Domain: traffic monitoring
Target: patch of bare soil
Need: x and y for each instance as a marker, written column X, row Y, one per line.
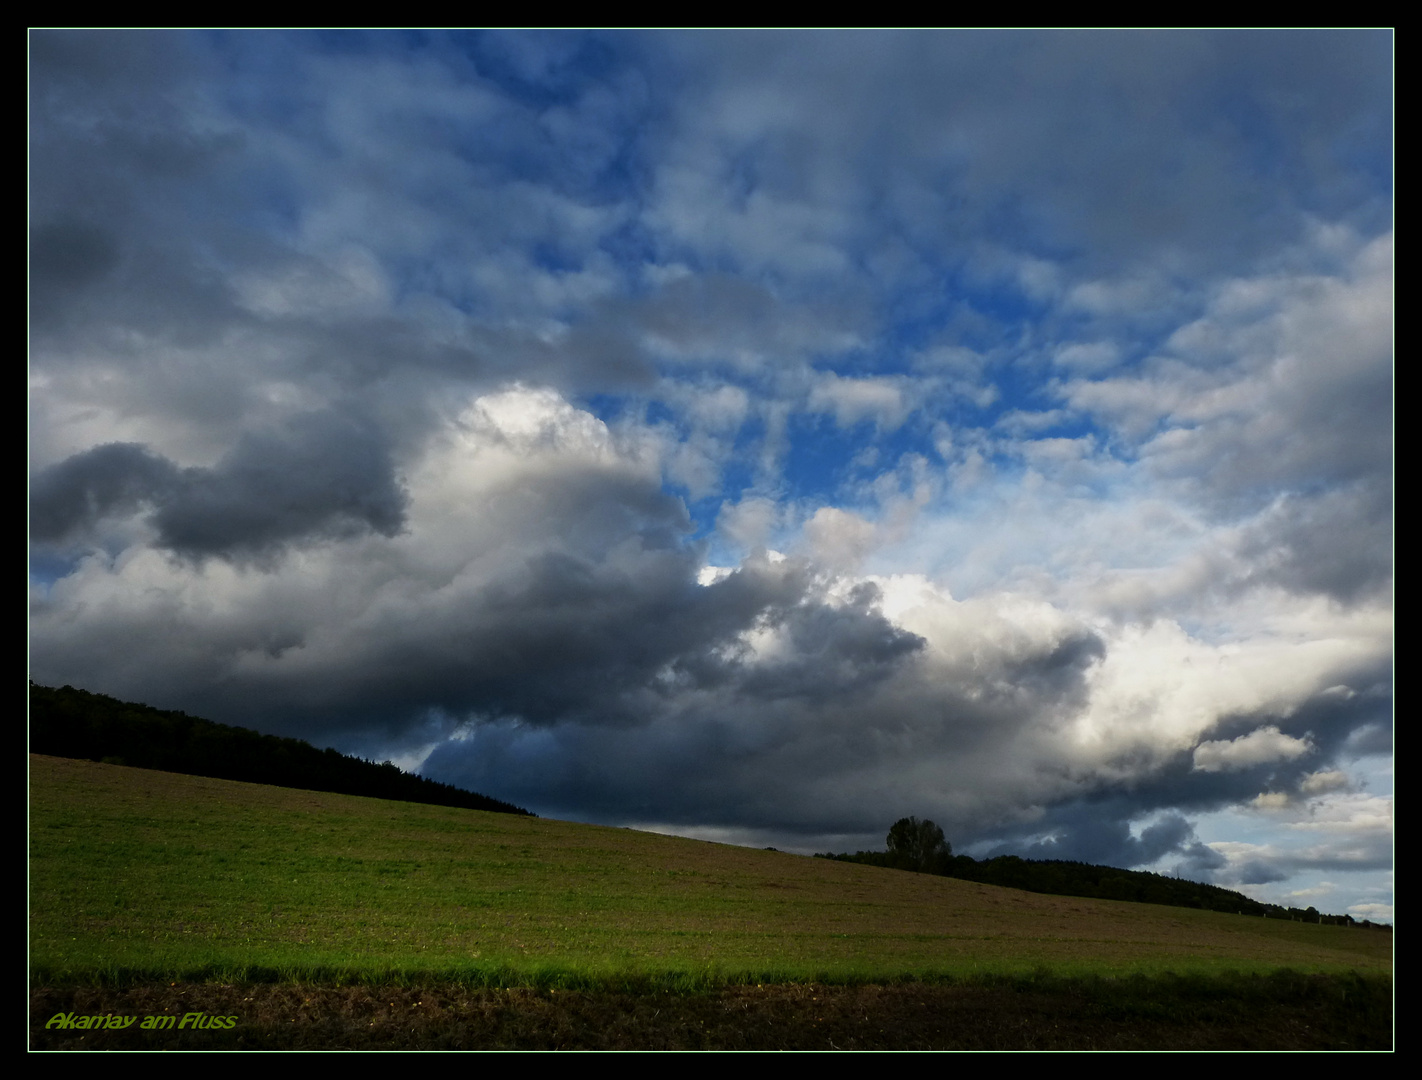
column 1310, row 1013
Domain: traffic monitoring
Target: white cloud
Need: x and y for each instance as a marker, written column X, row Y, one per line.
column 1372, row 912
column 1089, row 358
column 838, row 539
column 1259, row 747
column 1020, row 422
column 851, row 401
column 1324, row 781
column 1272, row 800
column 750, row 523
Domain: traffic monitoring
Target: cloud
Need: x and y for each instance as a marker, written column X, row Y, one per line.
column 1257, row 873
column 814, row 724
column 751, row 522
column 1085, row 834
column 1254, row 396
column 1272, row 800
column 839, row 539
column 542, row 574
column 1324, row 781
column 66, row 257
column 1266, row 744
column 324, row 477
column 1335, row 833
column 541, row 579
column 453, row 397
column 1371, row 911
column 1336, row 542
column 855, row 400
column 118, row 478
column 940, row 132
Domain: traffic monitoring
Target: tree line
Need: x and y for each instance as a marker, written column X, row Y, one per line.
column 72, row 723
column 920, row 846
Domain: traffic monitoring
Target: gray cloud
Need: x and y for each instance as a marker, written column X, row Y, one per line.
column 116, row 479
column 554, row 584
column 1258, row 872
column 943, row 132
column 1337, row 543
column 748, row 734
column 550, row 601
column 1099, row 832
column 1200, row 863
column 327, row 476
column 66, row 257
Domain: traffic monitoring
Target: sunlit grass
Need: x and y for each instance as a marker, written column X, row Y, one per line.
column 137, row 874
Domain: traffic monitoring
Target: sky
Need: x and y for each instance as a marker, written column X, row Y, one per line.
column 756, row 436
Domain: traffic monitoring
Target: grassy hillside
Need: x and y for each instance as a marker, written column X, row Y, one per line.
column 137, row 875
column 74, row 723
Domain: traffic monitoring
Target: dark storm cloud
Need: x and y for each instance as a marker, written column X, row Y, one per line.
column 117, row 479
column 755, row 738
column 1200, row 863
column 831, row 651
column 1334, row 719
column 1100, row 832
column 133, row 188
column 97, row 66
column 328, row 476
column 65, row 258
column 575, row 640
column 1258, row 872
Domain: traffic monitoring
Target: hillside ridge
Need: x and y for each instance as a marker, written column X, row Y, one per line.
column 73, row 723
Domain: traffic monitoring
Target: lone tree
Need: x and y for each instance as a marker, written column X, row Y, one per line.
column 919, row 845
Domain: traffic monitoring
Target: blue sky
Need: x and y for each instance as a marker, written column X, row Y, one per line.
column 759, row 436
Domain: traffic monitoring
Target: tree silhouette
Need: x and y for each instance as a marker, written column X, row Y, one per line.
column 919, row 845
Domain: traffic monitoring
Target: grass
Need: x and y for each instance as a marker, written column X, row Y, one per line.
column 144, row 876
column 325, row 921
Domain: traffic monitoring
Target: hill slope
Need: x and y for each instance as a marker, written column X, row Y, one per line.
column 66, row 722
column 140, row 874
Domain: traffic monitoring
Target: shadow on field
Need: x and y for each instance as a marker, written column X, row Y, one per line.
column 1283, row 1011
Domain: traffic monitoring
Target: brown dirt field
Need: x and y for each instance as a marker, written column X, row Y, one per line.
column 1275, row 1013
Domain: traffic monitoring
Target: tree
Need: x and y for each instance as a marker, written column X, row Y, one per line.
column 919, row 845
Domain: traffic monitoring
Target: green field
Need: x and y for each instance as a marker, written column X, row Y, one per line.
column 144, row 876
